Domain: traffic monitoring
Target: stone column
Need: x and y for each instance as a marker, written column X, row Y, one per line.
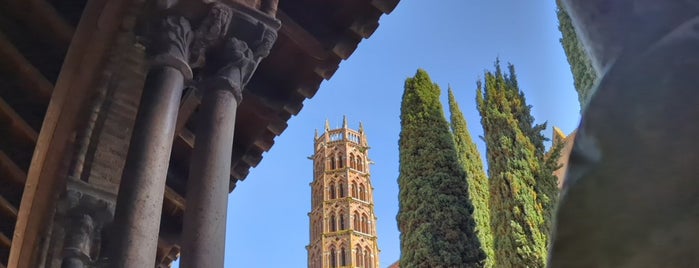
column 78, row 241
column 631, row 194
column 140, row 199
column 209, row 177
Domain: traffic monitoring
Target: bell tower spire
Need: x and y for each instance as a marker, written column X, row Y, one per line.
column 342, row 219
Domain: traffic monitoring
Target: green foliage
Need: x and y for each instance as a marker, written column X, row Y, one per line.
column 584, row 74
column 546, row 186
column 517, row 218
column 435, row 214
column 470, row 160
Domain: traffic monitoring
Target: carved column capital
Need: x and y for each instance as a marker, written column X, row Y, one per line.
column 235, row 61
column 239, row 56
column 84, row 216
column 170, row 45
column 210, row 32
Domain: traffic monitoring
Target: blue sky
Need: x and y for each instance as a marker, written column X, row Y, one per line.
column 454, row 41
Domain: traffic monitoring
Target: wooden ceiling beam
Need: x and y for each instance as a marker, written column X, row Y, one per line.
column 5, row 241
column 240, row 171
column 386, row 6
column 167, row 252
column 27, row 75
column 17, row 123
column 344, row 47
column 305, row 40
column 190, row 102
column 187, row 136
column 16, row 174
column 364, row 27
column 7, row 208
column 174, row 198
column 42, row 18
column 327, row 69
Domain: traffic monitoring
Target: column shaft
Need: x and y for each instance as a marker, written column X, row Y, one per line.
column 207, row 188
column 140, row 200
column 630, row 195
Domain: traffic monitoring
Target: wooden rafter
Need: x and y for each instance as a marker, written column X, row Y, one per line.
column 364, row 27
column 386, row 6
column 16, row 174
column 305, row 40
column 17, row 122
column 7, row 208
column 42, row 19
column 29, row 76
column 190, row 102
column 344, row 47
column 187, row 136
column 176, row 199
column 5, row 241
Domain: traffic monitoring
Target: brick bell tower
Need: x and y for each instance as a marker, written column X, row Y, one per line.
column 342, row 220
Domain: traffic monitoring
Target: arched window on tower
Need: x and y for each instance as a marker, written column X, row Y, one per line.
column 356, row 223
column 333, row 257
column 358, row 257
column 362, row 194
column 341, row 161
column 360, row 164
column 366, row 258
column 342, row 220
column 354, row 189
column 332, row 162
column 365, row 224
column 343, row 257
column 341, row 185
column 352, row 163
column 313, row 230
column 331, row 190
column 332, row 223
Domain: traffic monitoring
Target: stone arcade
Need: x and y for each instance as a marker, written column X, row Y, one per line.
column 109, row 106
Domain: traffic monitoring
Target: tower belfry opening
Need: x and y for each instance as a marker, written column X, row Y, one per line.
column 342, row 219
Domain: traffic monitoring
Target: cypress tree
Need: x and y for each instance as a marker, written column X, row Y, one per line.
column 435, row 214
column 546, row 183
column 470, row 160
column 517, row 218
column 584, row 74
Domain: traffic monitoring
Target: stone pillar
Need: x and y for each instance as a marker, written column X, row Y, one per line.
column 140, row 198
column 78, row 241
column 209, row 178
column 631, row 193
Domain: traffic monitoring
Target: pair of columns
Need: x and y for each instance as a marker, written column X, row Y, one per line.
column 631, row 195
column 239, row 42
